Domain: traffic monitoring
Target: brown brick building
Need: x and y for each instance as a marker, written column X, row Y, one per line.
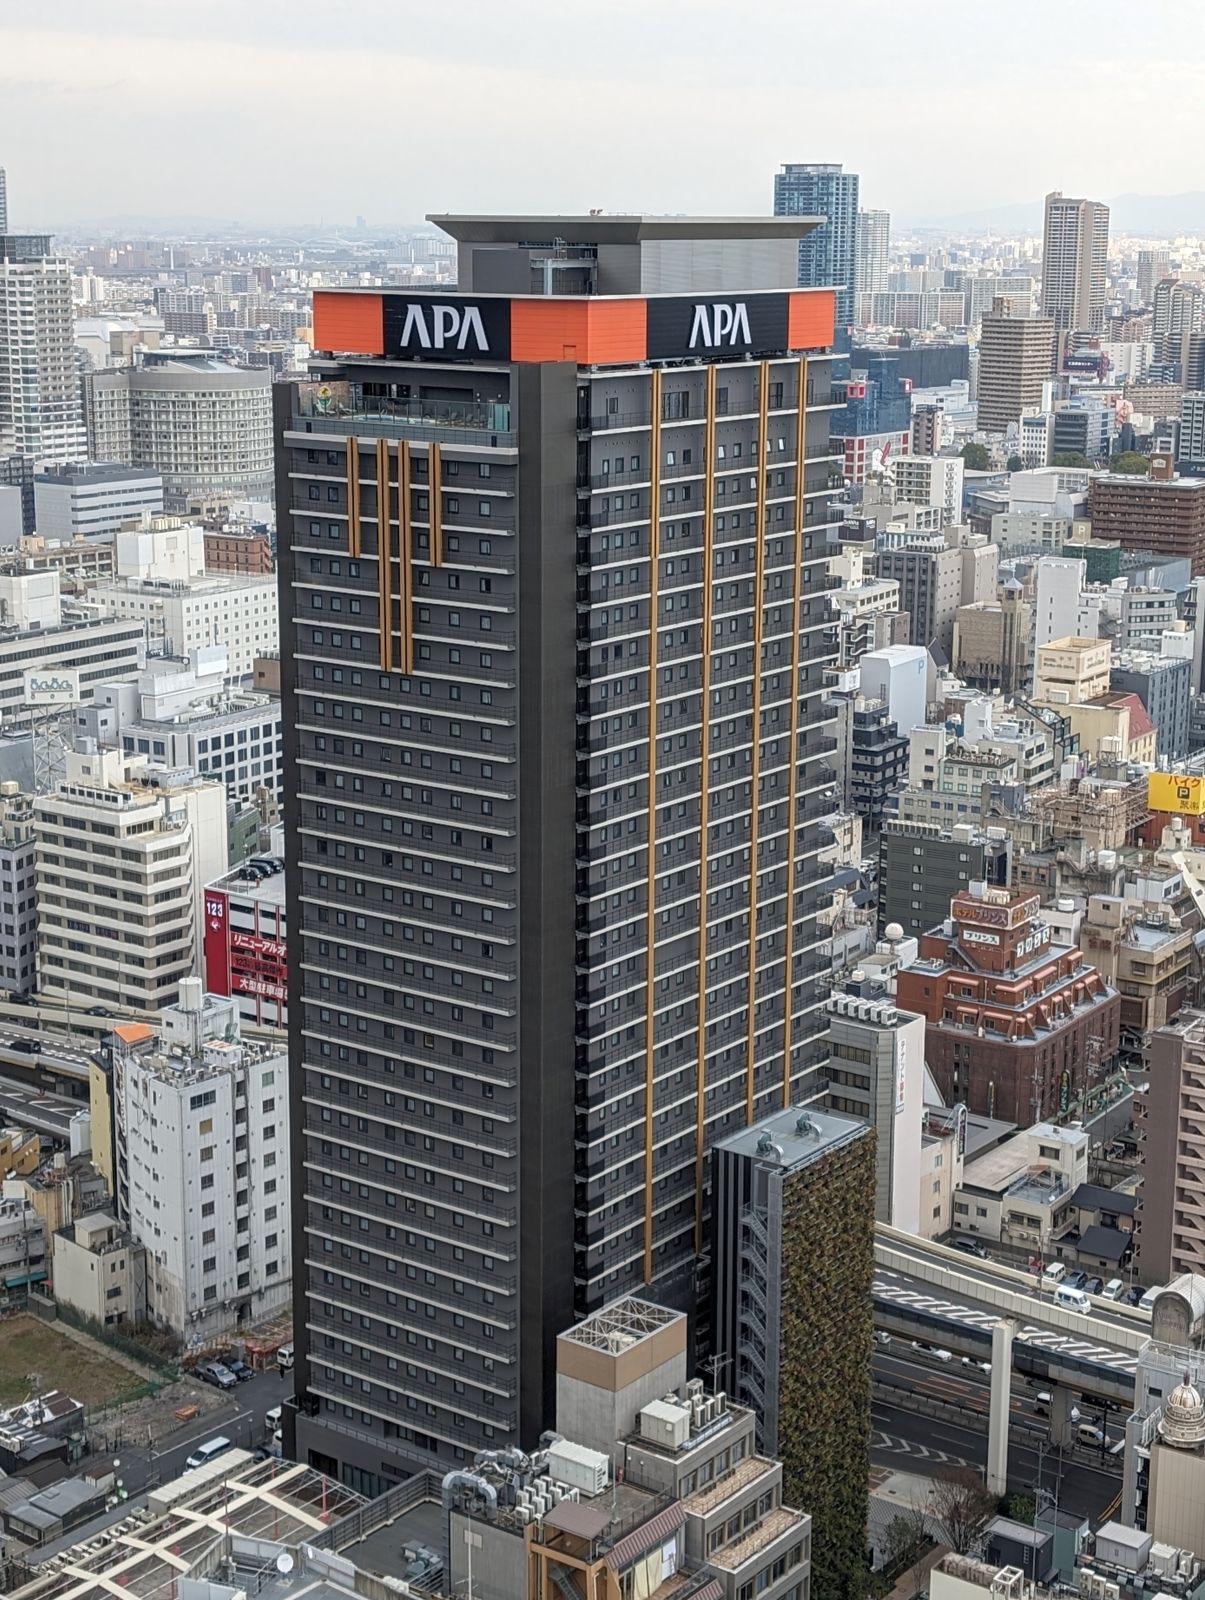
column 1165, row 516
column 227, row 551
column 1009, row 1014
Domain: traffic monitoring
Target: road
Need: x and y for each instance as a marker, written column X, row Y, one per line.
column 240, row 1418
column 913, row 1441
column 25, row 1107
column 54, row 1057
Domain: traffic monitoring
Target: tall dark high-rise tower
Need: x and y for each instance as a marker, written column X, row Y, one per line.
column 828, row 254
column 553, row 608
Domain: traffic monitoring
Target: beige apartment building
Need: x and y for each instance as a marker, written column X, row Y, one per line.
column 100, row 1270
column 1072, row 675
column 121, row 872
column 1016, row 356
column 1146, row 954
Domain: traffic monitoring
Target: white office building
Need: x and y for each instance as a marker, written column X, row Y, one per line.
column 184, row 715
column 202, row 1157
column 897, row 675
column 1062, row 610
column 186, row 614
column 122, row 866
column 877, row 1074
column 931, row 481
column 91, row 501
column 40, row 413
column 160, row 550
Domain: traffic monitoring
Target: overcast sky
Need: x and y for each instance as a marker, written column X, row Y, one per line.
column 296, row 110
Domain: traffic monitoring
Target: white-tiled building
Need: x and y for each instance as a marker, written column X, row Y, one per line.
column 185, row 614
column 202, row 1147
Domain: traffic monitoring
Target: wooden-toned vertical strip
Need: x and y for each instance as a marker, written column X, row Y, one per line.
column 405, row 537
column 651, row 927
column 759, row 607
column 705, row 785
column 435, row 499
column 384, row 558
column 353, row 497
column 796, row 651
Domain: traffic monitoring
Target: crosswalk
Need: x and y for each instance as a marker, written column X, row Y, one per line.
column 889, row 1286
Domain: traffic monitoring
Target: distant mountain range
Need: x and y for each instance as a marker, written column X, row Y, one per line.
column 1156, row 216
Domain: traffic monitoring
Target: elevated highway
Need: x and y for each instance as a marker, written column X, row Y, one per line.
column 938, row 1296
column 932, row 1293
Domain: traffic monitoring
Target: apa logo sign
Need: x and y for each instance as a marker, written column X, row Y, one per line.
column 679, row 327
column 447, row 329
column 442, row 327
column 718, row 325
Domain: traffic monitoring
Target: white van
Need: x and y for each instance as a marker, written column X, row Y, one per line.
column 209, row 1451
column 1072, row 1299
column 1054, row 1272
column 1088, row 1433
column 1147, row 1303
column 1113, row 1290
column 284, row 1357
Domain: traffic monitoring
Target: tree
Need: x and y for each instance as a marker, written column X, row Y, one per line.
column 1015, row 464
column 1022, row 1508
column 978, row 457
column 962, row 1505
column 1070, row 458
column 1132, row 461
column 904, row 1539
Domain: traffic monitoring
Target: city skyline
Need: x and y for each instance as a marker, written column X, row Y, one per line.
column 74, row 77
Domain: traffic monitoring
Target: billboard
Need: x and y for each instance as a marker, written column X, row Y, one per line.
column 1176, row 792
column 590, row 329
column 53, row 686
column 217, row 947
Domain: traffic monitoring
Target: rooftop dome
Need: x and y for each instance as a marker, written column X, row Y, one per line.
column 1183, row 1421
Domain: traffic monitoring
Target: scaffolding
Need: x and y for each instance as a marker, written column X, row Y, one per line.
column 1105, row 818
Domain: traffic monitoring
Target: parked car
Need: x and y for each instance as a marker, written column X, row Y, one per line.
column 17, row 999
column 1133, row 1296
column 1055, row 1272
column 1094, row 1286
column 215, row 1373
column 212, row 1448
column 100, row 1011
column 1114, row 1290
column 241, row 1370
column 1075, row 1280
column 272, row 1420
column 284, row 1358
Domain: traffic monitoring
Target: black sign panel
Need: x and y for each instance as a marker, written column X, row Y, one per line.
column 724, row 325
column 458, row 328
